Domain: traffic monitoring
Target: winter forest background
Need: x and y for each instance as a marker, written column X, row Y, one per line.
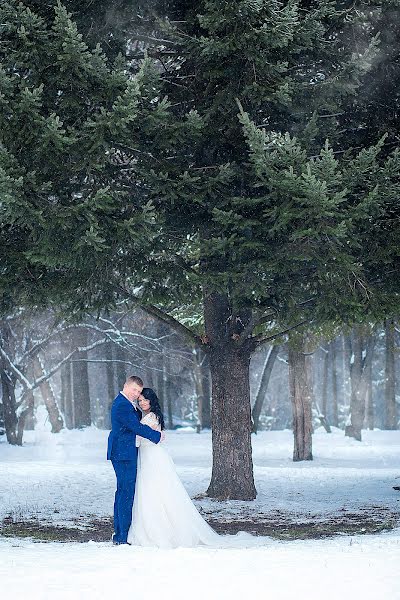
column 76, row 370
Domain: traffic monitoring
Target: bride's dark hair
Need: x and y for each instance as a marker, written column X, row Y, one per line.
column 155, row 407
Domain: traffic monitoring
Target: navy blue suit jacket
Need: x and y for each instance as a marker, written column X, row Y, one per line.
column 125, row 426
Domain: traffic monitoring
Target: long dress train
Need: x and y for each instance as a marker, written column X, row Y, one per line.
column 163, row 514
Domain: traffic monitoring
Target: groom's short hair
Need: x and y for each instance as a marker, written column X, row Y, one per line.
column 134, row 379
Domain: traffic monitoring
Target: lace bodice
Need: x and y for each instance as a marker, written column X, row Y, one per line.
column 152, row 421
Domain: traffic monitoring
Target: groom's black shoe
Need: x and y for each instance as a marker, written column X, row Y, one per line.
column 117, row 543
column 396, row 487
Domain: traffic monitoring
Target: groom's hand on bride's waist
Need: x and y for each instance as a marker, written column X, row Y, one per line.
column 162, row 438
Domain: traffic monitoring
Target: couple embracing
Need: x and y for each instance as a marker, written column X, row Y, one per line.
column 151, row 508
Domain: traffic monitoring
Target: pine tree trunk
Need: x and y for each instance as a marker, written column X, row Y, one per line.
column 263, row 387
column 80, row 381
column 335, row 409
column 390, row 376
column 301, row 398
column 232, row 470
column 66, row 392
column 48, row 396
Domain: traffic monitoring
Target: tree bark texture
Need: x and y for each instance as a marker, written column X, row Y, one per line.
column 232, row 470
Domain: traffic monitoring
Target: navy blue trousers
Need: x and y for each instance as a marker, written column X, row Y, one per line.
column 125, row 470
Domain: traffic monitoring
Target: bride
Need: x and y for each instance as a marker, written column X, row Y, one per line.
column 163, row 514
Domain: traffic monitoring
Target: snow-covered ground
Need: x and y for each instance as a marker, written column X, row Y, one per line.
column 64, row 478
column 364, row 567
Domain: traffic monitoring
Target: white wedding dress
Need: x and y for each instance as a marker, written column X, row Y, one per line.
column 163, row 514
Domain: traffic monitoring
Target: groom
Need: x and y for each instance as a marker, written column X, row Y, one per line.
column 122, row 451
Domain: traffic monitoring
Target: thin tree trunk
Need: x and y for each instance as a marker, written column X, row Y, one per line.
column 301, row 398
column 156, row 374
column 80, row 381
column 390, row 376
column 110, row 378
column 369, row 401
column 8, row 382
column 29, row 411
column 324, row 394
column 346, row 363
column 232, row 470
column 357, row 404
column 206, row 408
column 48, row 396
column 206, row 385
column 120, row 366
column 202, row 387
column 9, row 408
column 263, row 387
column 166, row 383
column 361, row 355
column 160, row 386
column 168, row 396
column 66, row 392
column 198, row 357
column 335, row 410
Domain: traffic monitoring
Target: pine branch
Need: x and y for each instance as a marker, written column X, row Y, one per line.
column 162, row 316
column 259, row 340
